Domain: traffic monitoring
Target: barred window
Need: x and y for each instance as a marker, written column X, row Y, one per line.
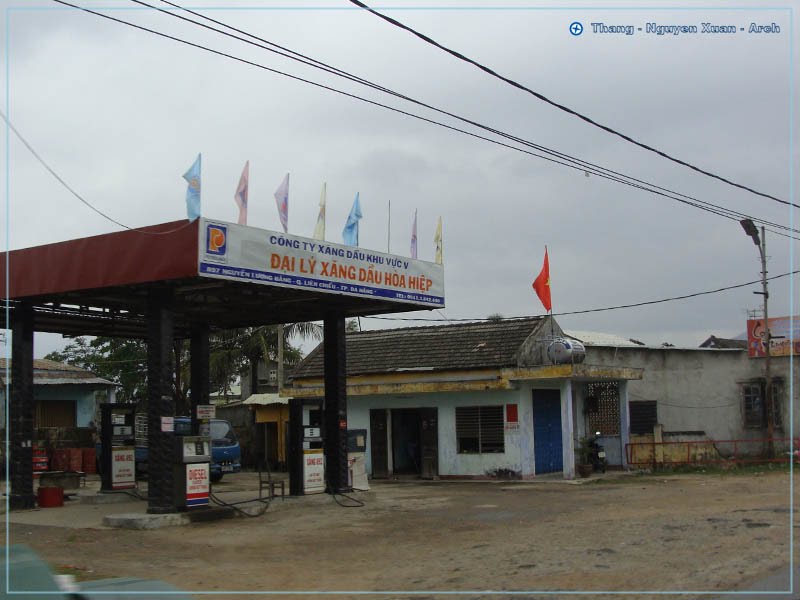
column 754, row 414
column 479, row 429
column 753, row 407
column 777, row 404
column 643, row 416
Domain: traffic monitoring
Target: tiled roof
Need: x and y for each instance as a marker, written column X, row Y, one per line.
column 724, row 343
column 42, row 364
column 456, row 346
column 52, row 372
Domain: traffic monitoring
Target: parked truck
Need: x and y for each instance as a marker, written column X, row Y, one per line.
column 226, row 454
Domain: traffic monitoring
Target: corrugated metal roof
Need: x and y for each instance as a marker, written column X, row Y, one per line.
column 608, row 340
column 71, row 381
column 595, row 338
column 266, row 399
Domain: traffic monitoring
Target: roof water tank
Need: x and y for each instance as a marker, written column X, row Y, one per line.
column 563, row 350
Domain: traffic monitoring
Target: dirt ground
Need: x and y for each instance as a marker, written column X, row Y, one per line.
column 693, row 532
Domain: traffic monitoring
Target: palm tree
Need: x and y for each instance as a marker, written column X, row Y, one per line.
column 267, row 342
column 232, row 351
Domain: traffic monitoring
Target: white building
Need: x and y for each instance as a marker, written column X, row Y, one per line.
column 469, row 400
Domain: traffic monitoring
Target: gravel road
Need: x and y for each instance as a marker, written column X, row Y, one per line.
column 639, row 533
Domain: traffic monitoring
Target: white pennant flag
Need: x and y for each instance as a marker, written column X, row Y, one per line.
column 282, row 200
column 319, row 229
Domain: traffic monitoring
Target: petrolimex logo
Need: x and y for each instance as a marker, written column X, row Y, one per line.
column 216, row 239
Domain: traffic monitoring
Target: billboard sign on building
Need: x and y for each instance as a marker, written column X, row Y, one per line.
column 242, row 253
column 785, row 334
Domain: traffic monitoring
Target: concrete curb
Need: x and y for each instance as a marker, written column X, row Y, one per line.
column 145, row 521
column 92, row 497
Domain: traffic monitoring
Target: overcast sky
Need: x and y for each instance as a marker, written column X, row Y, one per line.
column 121, row 114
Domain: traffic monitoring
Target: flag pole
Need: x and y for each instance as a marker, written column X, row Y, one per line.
column 552, row 327
column 389, row 230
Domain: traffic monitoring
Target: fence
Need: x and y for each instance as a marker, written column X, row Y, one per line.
column 697, row 452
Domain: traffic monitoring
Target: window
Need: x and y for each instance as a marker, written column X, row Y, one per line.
column 644, row 416
column 753, row 408
column 479, row 429
column 55, row 413
column 222, row 434
column 273, row 375
column 604, row 416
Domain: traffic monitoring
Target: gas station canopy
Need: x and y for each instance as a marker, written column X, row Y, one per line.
column 180, row 280
column 221, row 274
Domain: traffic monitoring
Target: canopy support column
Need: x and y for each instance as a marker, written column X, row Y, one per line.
column 200, row 353
column 160, row 402
column 335, row 412
column 21, row 408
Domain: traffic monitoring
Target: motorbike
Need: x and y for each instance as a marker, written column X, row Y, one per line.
column 597, row 456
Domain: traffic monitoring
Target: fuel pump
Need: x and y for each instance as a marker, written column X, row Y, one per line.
column 191, row 459
column 306, row 454
column 117, row 447
column 356, row 456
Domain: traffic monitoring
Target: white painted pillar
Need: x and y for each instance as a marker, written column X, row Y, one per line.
column 624, row 421
column 567, row 427
column 580, row 410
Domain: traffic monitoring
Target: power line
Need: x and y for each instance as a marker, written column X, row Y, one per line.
column 221, row 343
column 566, row 109
column 721, row 211
column 582, row 165
column 662, row 403
column 594, row 310
column 76, row 194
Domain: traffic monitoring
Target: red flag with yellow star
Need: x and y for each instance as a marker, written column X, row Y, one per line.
column 542, row 283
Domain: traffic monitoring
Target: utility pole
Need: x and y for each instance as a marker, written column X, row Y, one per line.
column 280, row 357
column 769, row 407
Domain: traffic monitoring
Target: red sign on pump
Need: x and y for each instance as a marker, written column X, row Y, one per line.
column 197, row 486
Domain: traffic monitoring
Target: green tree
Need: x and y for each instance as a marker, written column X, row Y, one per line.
column 258, row 342
column 123, row 361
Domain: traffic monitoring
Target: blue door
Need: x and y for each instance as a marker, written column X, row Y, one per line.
column 547, row 431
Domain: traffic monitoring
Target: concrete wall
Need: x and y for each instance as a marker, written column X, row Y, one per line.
column 263, row 368
column 519, row 444
column 518, row 455
column 699, row 389
column 533, row 351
